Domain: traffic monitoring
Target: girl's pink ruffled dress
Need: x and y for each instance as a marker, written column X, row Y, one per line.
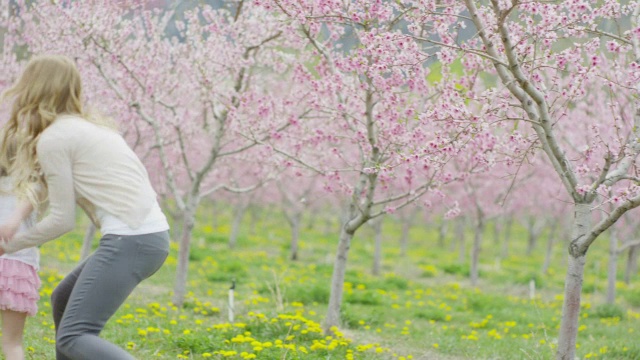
column 19, row 280
column 19, row 284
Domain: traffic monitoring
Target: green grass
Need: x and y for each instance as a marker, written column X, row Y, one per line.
column 420, row 308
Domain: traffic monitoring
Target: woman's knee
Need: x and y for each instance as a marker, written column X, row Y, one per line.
column 57, row 298
column 60, row 295
column 64, row 342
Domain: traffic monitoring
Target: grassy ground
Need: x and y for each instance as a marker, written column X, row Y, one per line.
column 420, row 308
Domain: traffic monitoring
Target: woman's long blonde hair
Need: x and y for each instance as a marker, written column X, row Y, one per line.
column 49, row 86
column 7, row 155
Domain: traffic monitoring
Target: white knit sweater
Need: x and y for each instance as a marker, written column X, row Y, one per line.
column 93, row 166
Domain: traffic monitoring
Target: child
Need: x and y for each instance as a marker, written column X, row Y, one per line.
column 19, row 281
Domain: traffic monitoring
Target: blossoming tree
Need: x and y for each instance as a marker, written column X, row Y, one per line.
column 568, row 72
column 386, row 133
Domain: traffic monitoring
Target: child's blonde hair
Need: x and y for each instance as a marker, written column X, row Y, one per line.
column 50, row 85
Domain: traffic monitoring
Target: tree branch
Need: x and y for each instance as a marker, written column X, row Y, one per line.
column 627, row 245
column 586, row 241
column 494, row 60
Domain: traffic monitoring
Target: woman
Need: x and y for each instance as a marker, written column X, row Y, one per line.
column 83, row 161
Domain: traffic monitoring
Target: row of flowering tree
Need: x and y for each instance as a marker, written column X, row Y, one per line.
column 230, row 98
column 195, row 92
column 568, row 74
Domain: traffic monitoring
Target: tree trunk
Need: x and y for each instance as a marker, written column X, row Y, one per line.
column 175, row 219
column 311, row 224
column 180, row 287
column 461, row 241
column 613, row 265
column 295, row 223
column 573, row 286
column 404, row 238
column 377, row 253
column 337, row 281
column 442, row 233
column 87, row 241
column 215, row 216
column 507, row 236
column 328, row 225
column 533, row 229
column 632, row 263
column 549, row 252
column 254, row 218
column 238, row 214
column 176, row 230
column 497, row 230
column 475, row 252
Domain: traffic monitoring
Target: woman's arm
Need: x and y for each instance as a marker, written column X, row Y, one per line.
column 56, row 163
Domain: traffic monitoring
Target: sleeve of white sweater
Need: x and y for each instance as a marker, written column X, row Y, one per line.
column 55, row 160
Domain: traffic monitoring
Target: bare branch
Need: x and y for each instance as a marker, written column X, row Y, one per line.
column 238, row 11
column 583, row 243
column 183, row 152
column 395, row 20
column 237, row 190
column 627, row 245
column 495, row 60
column 604, row 33
column 601, row 179
column 255, row 47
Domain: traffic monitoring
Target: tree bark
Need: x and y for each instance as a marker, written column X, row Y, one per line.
column 475, row 252
column 508, row 226
column 632, row 263
column 442, row 233
column 254, row 218
column 87, row 241
column 313, row 218
column 176, row 230
column 497, row 230
column 533, row 228
column 182, row 270
column 573, row 285
column 215, row 217
column 461, row 241
column 404, row 238
column 377, row 253
column 328, row 225
column 613, row 265
column 337, row 280
column 295, row 223
column 238, row 214
column 550, row 242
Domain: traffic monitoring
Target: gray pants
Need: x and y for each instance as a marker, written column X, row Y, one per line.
column 87, row 297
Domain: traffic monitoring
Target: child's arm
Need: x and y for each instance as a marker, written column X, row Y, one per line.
column 10, row 227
